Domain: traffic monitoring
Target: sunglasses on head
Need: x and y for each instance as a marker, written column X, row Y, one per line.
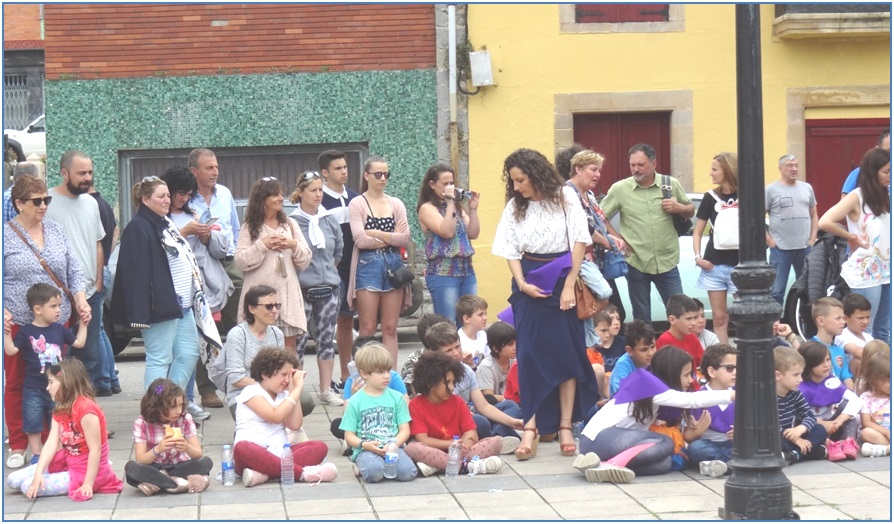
column 380, row 174
column 39, row 200
column 268, row 178
column 151, row 179
column 270, row 307
column 310, row 175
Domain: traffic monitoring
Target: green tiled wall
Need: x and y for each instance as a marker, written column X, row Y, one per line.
column 394, row 112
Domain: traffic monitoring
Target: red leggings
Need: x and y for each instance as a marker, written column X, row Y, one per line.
column 250, row 455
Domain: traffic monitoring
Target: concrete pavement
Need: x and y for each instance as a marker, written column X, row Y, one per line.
column 544, row 488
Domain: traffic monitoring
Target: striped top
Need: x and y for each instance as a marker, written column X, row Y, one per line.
column 794, row 411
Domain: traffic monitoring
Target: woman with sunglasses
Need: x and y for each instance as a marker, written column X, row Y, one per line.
column 448, row 234
column 270, row 251
column 320, row 280
column 21, row 270
column 379, row 225
column 158, row 288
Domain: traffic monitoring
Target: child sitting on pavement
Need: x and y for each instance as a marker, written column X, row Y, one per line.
column 714, row 447
column 875, row 411
column 682, row 314
column 640, row 350
column 705, row 336
column 802, row 438
column 602, row 323
column 828, row 314
column 425, row 322
column 494, row 368
column 471, row 314
column 857, row 314
column 376, row 415
column 439, row 416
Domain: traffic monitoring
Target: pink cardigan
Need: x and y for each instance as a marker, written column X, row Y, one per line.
column 358, row 210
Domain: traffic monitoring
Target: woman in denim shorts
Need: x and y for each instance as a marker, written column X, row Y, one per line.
column 717, row 264
column 379, row 226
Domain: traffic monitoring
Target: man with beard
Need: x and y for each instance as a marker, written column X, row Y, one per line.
column 78, row 214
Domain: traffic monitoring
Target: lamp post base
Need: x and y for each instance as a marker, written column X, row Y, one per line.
column 757, row 492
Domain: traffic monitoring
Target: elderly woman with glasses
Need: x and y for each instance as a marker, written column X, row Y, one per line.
column 27, row 239
column 158, row 288
column 379, row 226
column 271, row 251
column 320, row 280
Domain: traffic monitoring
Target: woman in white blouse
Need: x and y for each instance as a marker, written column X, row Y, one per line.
column 544, row 226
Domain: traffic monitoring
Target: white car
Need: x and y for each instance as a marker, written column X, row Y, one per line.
column 33, row 138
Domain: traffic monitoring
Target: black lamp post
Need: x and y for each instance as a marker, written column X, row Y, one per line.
column 757, row 489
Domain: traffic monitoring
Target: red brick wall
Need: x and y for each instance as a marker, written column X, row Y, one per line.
column 136, row 40
column 21, row 26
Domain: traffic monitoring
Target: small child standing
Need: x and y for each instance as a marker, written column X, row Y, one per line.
column 439, row 416
column 613, row 344
column 41, row 345
column 167, row 452
column 802, row 437
column 857, row 314
column 875, row 411
column 714, row 448
column 640, row 349
column 471, row 313
column 375, row 416
column 682, row 313
column 75, row 458
column 828, row 314
column 705, row 336
column 494, row 369
column 834, row 406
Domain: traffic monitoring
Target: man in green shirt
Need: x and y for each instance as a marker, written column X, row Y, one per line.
column 648, row 228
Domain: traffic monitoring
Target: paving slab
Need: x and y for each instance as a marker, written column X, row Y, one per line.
column 324, row 509
column 161, row 513
column 520, row 511
column 682, row 503
column 878, row 510
column 851, row 480
column 588, row 508
column 242, row 511
column 416, row 503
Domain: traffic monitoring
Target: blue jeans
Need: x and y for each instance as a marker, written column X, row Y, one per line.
column 880, row 321
column 510, row 408
column 172, row 348
column 702, row 449
column 372, row 466
column 640, row 290
column 783, row 260
column 93, row 355
column 445, row 292
column 104, row 342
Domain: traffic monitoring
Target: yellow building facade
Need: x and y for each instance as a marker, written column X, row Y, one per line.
column 547, row 68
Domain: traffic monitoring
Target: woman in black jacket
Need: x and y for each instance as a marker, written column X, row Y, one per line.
column 158, row 288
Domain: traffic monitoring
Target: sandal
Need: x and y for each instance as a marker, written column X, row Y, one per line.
column 148, row 489
column 182, row 485
column 197, row 483
column 568, row 450
column 524, row 452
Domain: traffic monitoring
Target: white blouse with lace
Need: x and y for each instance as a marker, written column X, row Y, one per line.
column 544, row 229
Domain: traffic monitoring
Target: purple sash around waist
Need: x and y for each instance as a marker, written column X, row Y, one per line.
column 545, row 276
column 639, row 385
column 826, row 393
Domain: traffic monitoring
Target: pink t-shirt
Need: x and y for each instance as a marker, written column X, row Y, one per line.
column 879, row 408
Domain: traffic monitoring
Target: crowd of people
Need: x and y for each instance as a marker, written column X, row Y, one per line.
column 548, row 370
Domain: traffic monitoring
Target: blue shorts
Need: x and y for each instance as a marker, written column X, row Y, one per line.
column 372, row 267
column 343, row 309
column 717, row 279
column 37, row 410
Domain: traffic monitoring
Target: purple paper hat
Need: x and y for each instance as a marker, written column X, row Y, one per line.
column 507, row 316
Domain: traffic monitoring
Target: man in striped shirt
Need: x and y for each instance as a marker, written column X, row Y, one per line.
column 802, row 437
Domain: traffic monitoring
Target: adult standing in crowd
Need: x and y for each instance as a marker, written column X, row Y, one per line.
column 379, row 226
column 584, row 171
column 544, row 226
column 271, row 250
column 647, row 225
column 213, row 200
column 336, row 197
column 28, row 238
column 110, row 226
column 209, row 245
column 78, row 214
column 850, row 183
column 448, row 231
column 791, row 205
column 319, row 281
column 717, row 264
column 868, row 212
column 158, row 288
column 22, row 168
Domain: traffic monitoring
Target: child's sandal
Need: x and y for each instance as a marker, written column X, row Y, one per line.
column 524, row 452
column 197, row 483
column 182, row 485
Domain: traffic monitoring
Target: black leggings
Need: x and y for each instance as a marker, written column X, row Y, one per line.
column 654, row 460
column 136, row 473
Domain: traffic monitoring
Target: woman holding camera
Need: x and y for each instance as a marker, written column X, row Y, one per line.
column 448, row 235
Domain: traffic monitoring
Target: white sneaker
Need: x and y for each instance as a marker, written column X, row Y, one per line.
column 329, row 398
column 712, row 468
column 875, row 450
column 15, row 460
column 325, row 472
column 485, row 466
column 425, row 469
column 610, row 473
column 510, row 444
column 198, row 414
column 251, row 478
column 586, row 461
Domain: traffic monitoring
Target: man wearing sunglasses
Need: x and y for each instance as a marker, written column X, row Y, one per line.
column 78, row 214
column 336, row 196
column 213, row 200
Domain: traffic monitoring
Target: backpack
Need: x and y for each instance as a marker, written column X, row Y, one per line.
column 725, row 228
column 217, row 371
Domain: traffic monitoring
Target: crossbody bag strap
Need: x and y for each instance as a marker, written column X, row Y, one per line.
column 43, row 263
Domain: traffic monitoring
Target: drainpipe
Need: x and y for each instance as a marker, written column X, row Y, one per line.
column 451, row 85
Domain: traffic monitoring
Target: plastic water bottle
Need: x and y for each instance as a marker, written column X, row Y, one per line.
column 576, row 429
column 227, row 467
column 454, row 457
column 352, row 369
column 391, row 459
column 287, row 471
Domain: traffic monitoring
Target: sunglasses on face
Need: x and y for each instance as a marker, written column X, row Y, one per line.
column 380, row 175
column 728, row 367
column 39, row 200
column 270, row 307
